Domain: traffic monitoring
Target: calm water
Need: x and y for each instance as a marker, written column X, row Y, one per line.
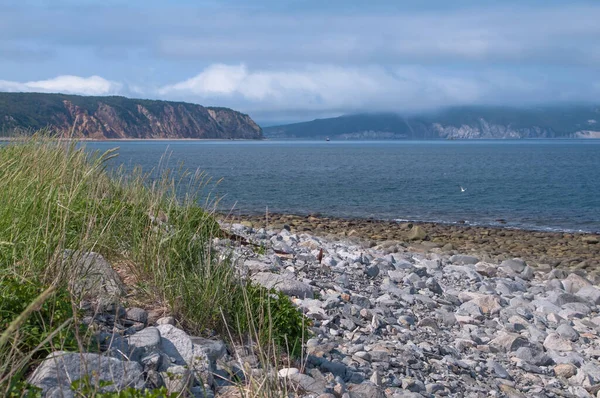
column 551, row 185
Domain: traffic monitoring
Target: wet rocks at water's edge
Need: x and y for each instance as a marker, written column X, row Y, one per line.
column 387, row 322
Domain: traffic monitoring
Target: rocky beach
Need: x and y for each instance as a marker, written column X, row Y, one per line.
column 397, row 310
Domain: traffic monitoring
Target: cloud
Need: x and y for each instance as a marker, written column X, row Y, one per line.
column 93, row 85
column 329, row 89
column 325, row 88
column 564, row 33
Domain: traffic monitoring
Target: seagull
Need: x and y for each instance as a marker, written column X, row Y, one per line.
column 462, row 189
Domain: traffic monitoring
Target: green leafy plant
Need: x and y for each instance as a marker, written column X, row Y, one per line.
column 272, row 316
column 16, row 295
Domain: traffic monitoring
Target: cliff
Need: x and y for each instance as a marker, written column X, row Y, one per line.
column 120, row 117
column 574, row 121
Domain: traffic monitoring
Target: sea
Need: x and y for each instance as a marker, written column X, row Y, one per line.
column 549, row 185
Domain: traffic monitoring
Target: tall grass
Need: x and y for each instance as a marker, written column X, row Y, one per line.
column 55, row 196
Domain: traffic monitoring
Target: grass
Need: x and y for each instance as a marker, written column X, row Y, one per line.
column 55, row 196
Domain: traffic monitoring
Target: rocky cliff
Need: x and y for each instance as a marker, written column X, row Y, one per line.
column 119, row 117
column 574, row 121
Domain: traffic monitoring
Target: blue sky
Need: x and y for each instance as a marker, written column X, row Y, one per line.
column 296, row 60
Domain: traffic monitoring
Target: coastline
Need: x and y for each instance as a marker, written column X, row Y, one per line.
column 10, row 139
column 544, row 248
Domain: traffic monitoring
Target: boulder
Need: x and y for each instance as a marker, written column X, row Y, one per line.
column 144, row 343
column 178, row 346
column 93, row 276
column 56, row 373
column 573, row 283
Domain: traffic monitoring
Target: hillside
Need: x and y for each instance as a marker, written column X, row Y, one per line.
column 120, row 117
column 453, row 123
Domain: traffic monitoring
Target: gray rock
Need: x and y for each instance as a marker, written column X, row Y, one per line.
column 497, row 369
column 178, row 346
column 372, row 271
column 137, row 315
column 516, row 264
column 214, row 349
column 55, row 374
column 463, row 259
column 254, row 266
column 434, row 286
column 282, row 247
column 573, row 283
column 589, row 293
column 178, row 379
column 93, row 276
column 534, row 356
column 143, row 343
column 286, row 285
column 365, row 390
column 566, row 331
column 308, row 383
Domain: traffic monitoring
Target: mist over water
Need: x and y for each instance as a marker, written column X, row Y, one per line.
column 537, row 184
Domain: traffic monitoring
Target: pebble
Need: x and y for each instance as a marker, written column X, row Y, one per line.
column 410, row 319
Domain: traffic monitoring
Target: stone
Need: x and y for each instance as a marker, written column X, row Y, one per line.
column 573, row 283
column 565, row 370
column 417, row 233
column 509, row 342
column 554, row 342
column 533, row 356
column 489, row 304
column 55, row 374
column 177, row 379
column 254, row 266
column 167, row 320
column 516, row 264
column 136, row 314
column 365, row 390
column 214, row 349
column 286, row 285
column 285, row 372
column 143, row 343
column 178, row 346
column 308, row 383
column 463, row 259
column 497, row 369
column 589, row 293
column 94, row 277
column 566, row 331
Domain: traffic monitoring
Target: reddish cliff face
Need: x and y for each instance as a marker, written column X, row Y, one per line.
column 118, row 117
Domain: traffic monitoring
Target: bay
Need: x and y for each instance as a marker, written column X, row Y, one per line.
column 529, row 184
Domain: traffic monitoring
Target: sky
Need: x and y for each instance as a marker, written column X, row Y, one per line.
column 292, row 60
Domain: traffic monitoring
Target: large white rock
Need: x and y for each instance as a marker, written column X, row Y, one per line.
column 56, row 373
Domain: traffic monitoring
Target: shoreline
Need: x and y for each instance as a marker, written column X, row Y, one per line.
column 549, row 248
column 10, row 139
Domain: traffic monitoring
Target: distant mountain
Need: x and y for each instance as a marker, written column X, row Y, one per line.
column 453, row 123
column 120, row 117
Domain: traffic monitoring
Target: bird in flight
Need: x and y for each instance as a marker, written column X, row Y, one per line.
column 462, row 189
